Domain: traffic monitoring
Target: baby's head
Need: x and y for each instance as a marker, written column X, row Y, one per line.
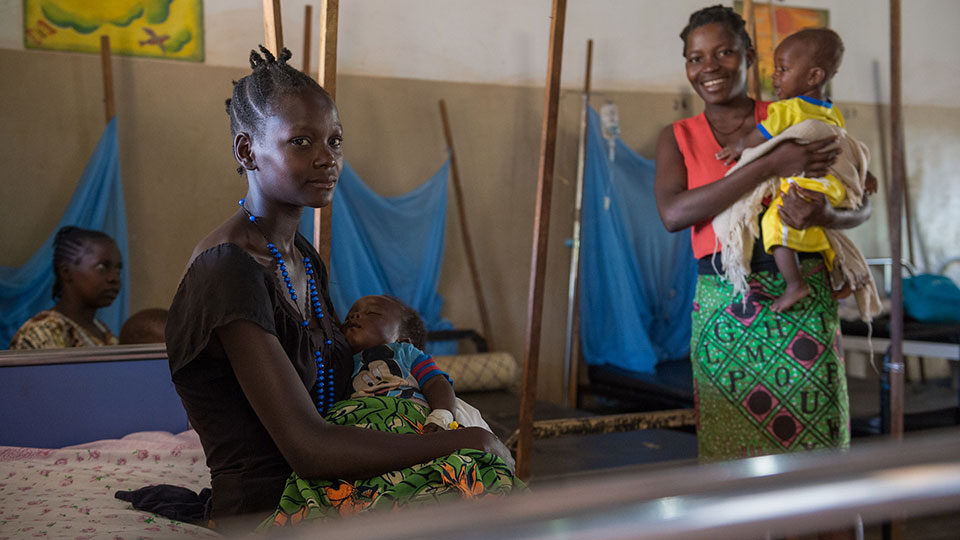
column 805, row 62
column 145, row 326
column 381, row 319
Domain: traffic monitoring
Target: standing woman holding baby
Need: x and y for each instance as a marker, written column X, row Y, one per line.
column 766, row 383
column 256, row 350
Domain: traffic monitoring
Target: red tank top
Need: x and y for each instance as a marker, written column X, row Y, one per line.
column 699, row 148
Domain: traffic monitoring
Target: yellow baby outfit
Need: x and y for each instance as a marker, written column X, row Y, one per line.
column 780, row 116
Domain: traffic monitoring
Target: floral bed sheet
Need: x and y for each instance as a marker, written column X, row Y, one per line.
column 69, row 492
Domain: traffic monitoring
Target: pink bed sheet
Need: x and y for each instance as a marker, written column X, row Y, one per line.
column 68, row 492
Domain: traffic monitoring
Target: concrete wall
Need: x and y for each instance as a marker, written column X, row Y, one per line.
column 505, row 41
column 178, row 168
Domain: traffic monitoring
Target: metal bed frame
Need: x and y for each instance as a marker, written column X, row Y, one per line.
column 764, row 497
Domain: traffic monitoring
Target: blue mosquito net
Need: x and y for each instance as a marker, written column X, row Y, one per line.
column 97, row 203
column 389, row 245
column 637, row 280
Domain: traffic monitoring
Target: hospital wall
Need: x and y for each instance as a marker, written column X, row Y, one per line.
column 395, row 63
column 179, row 178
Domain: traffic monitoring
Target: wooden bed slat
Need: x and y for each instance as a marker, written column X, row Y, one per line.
column 611, row 423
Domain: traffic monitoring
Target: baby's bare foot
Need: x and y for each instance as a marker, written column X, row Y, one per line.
column 793, row 294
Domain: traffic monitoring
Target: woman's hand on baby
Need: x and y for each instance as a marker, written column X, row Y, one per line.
column 804, row 208
column 488, row 442
column 810, row 160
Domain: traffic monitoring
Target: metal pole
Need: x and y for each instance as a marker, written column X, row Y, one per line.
column 538, row 266
column 572, row 357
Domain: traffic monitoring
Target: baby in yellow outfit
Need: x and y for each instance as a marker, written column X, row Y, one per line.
column 803, row 65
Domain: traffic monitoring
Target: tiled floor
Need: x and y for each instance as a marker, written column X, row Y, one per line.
column 927, row 405
column 934, row 395
column 939, row 527
column 569, row 458
column 626, row 449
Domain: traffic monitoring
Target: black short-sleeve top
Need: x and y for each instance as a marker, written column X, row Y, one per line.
column 225, row 284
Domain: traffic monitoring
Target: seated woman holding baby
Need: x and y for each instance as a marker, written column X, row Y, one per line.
column 256, row 351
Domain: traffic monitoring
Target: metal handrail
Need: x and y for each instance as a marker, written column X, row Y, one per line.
column 83, row 355
column 887, row 264
column 752, row 498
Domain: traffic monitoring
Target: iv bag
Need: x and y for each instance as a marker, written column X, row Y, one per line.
column 610, row 122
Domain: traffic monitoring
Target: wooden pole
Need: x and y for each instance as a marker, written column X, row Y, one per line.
column 753, row 74
column 107, row 67
column 571, row 366
column 327, row 76
column 307, row 39
column 464, row 229
column 548, row 147
column 327, row 71
column 894, row 368
column 774, row 35
column 272, row 26
column 882, row 133
column 907, row 214
column 899, row 148
column 896, row 201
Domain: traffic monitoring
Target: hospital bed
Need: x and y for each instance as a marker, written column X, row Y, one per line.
column 77, row 425
column 920, row 339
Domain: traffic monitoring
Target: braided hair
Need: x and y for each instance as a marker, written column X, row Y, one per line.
column 69, row 245
column 717, row 14
column 254, row 94
column 411, row 325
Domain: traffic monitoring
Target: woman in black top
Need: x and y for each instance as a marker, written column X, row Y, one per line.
column 255, row 347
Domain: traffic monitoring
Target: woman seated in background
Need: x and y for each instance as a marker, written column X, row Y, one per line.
column 86, row 268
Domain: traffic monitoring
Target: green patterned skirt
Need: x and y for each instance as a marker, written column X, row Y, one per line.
column 768, row 383
column 465, row 474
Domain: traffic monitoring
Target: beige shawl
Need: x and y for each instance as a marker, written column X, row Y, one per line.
column 737, row 227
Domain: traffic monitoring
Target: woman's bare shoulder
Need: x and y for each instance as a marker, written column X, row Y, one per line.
column 218, row 236
column 667, row 137
column 227, row 233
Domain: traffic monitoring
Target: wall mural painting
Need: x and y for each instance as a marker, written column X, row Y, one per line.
column 154, row 28
column 773, row 23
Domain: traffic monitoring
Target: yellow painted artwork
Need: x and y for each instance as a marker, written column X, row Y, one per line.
column 155, row 28
column 773, row 23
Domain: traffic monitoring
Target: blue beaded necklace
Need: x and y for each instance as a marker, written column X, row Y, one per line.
column 324, row 386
